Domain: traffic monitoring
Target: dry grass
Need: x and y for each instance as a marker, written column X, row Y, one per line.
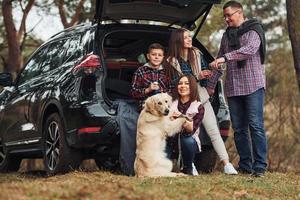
column 105, row 185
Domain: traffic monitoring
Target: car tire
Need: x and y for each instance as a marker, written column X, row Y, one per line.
column 206, row 160
column 58, row 156
column 8, row 163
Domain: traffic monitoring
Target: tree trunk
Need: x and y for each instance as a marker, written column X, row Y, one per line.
column 63, row 15
column 292, row 7
column 14, row 60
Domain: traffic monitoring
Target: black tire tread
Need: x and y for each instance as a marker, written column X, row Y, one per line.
column 69, row 158
column 11, row 163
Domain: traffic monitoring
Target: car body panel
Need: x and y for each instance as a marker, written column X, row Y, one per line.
column 14, row 114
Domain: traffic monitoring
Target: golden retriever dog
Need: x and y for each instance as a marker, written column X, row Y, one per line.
column 153, row 127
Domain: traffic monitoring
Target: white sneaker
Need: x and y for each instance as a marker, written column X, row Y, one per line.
column 229, row 169
column 195, row 172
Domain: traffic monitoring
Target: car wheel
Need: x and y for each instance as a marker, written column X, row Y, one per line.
column 58, row 156
column 8, row 163
column 206, row 160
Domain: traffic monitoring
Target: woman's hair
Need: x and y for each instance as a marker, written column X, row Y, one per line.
column 176, row 46
column 194, row 95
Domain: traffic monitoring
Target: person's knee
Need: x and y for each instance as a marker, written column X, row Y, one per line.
column 187, row 140
column 188, row 144
column 240, row 130
column 256, row 125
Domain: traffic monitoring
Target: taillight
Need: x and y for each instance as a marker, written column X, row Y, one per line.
column 88, row 65
column 89, row 130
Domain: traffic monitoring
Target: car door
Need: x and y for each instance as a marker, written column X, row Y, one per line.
column 15, row 111
column 41, row 87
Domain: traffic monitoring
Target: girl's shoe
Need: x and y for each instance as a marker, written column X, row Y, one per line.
column 191, row 171
column 229, row 169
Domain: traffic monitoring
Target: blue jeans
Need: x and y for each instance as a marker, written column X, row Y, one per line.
column 189, row 148
column 247, row 114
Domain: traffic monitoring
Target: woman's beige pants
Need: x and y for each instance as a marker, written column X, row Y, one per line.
column 210, row 124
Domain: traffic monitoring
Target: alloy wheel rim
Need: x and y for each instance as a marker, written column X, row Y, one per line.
column 2, row 154
column 52, row 145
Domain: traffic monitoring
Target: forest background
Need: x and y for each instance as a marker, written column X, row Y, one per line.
column 282, row 113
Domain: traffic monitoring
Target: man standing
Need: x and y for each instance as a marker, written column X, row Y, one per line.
column 243, row 50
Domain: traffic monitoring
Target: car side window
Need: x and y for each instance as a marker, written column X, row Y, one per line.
column 32, row 69
column 74, row 50
column 54, row 56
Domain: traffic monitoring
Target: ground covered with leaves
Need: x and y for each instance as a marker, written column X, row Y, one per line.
column 105, row 185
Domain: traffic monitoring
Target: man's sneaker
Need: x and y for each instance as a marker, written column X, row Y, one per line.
column 229, row 169
column 258, row 174
column 244, row 171
column 195, row 172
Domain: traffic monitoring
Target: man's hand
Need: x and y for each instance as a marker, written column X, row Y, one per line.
column 217, row 62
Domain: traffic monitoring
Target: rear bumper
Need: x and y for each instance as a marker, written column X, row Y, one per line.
column 90, row 125
column 106, row 136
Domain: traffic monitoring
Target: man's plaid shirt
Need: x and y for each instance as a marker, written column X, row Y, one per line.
column 247, row 79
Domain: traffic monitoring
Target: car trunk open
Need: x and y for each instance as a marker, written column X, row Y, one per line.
column 174, row 12
column 125, row 51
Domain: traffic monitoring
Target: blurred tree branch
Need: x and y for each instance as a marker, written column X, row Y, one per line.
column 63, row 13
column 14, row 37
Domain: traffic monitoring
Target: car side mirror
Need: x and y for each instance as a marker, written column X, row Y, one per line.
column 6, row 79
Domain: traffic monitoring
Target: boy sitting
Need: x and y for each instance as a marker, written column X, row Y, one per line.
column 151, row 78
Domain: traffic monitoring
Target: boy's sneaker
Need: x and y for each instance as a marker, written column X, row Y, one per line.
column 229, row 169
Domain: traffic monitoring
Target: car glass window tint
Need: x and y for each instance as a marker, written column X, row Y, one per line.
column 54, row 56
column 75, row 49
column 85, row 41
column 32, row 68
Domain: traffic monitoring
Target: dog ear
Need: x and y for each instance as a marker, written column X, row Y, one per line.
column 149, row 105
column 169, row 99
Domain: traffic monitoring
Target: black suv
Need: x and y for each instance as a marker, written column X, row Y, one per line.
column 61, row 105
